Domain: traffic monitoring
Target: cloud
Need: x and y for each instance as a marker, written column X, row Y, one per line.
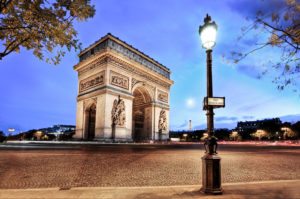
column 285, row 118
column 249, row 70
column 200, row 127
column 290, row 118
column 256, row 105
column 246, row 117
column 252, row 7
column 230, row 125
column 183, row 124
column 225, row 118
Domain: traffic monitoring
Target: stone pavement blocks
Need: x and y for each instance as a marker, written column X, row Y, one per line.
column 286, row 189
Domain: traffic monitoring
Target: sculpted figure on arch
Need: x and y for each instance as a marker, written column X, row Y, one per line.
column 162, row 124
column 118, row 116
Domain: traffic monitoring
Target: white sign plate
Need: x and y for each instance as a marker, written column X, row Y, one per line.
column 216, row 101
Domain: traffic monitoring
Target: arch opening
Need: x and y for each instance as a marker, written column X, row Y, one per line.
column 141, row 115
column 90, row 115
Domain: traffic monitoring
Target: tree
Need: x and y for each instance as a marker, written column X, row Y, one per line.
column 222, row 134
column 288, row 133
column 296, row 127
column 38, row 135
column 41, row 26
column 234, row 135
column 2, row 136
column 260, row 134
column 282, row 28
column 204, row 136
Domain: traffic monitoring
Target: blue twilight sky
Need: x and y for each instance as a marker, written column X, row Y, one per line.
column 35, row 94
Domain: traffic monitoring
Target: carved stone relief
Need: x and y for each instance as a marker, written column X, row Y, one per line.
column 97, row 63
column 119, row 80
column 118, row 114
column 134, row 82
column 152, row 89
column 92, row 81
column 162, row 123
column 119, row 63
column 162, row 96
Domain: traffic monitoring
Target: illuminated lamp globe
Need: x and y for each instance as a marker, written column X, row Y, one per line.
column 208, row 33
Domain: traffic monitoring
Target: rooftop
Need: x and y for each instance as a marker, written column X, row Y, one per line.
column 114, row 43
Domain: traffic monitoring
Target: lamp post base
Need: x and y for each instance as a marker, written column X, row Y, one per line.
column 211, row 174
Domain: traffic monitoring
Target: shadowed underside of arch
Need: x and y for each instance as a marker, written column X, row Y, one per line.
column 141, row 118
column 141, row 96
column 90, row 117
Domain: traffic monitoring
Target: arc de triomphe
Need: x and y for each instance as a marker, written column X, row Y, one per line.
column 123, row 94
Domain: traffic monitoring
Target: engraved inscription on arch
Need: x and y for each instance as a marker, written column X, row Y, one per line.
column 92, row 81
column 119, row 80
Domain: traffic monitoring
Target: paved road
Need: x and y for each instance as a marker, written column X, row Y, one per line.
column 65, row 166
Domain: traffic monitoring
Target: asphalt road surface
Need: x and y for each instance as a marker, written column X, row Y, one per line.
column 66, row 166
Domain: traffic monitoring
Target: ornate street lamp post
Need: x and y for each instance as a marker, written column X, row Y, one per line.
column 211, row 168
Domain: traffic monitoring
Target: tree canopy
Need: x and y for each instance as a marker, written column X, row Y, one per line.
column 41, row 26
column 282, row 27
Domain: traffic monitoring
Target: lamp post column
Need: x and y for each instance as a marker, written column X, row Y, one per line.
column 210, row 111
column 211, row 167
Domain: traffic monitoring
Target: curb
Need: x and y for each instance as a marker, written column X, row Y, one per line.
column 281, row 189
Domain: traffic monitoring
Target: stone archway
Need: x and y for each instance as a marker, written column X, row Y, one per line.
column 129, row 88
column 141, row 115
column 90, row 118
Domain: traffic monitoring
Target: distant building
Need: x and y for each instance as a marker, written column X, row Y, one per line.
column 64, row 128
column 258, row 124
column 246, row 128
column 59, row 130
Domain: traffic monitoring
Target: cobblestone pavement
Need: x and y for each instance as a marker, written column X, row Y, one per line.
column 141, row 166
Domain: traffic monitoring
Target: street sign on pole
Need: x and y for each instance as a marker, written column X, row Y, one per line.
column 215, row 102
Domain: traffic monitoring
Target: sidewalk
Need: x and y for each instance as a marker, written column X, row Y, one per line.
column 285, row 189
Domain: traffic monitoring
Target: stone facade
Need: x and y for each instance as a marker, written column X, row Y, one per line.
column 123, row 95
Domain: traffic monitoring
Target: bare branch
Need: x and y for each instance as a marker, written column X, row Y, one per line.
column 12, row 47
column 253, row 50
column 15, row 28
column 280, row 30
